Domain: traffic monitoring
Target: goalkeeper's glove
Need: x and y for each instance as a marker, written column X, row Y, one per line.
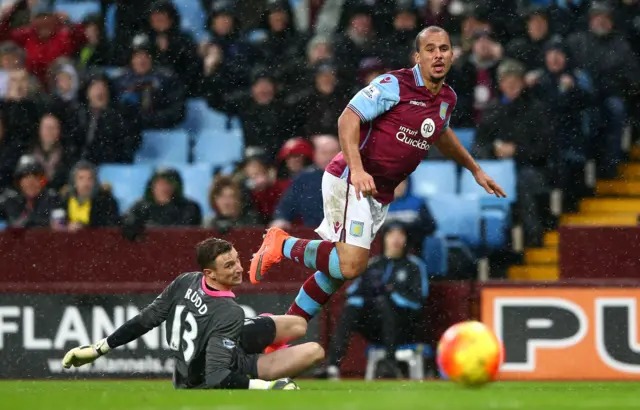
column 283, row 384
column 79, row 356
column 280, row 384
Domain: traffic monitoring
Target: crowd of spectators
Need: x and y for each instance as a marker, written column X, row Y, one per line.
column 549, row 83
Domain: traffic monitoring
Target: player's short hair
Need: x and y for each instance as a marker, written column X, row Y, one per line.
column 430, row 29
column 208, row 251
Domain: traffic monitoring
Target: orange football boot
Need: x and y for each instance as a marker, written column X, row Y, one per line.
column 269, row 254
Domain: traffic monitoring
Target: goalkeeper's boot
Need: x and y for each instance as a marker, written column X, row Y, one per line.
column 283, row 384
column 79, row 356
column 270, row 253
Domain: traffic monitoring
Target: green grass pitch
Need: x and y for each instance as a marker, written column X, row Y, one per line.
column 346, row 395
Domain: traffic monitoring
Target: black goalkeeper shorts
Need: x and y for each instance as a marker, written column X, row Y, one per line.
column 257, row 334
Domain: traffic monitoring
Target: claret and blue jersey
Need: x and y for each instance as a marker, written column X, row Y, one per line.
column 401, row 120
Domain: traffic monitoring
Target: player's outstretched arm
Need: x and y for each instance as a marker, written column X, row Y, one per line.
column 151, row 316
column 450, row 146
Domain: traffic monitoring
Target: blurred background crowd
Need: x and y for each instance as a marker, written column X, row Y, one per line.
column 223, row 113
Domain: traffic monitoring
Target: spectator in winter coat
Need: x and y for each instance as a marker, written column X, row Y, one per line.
column 608, row 58
column 97, row 52
column 47, row 38
column 474, row 79
column 31, row 204
column 162, row 205
column 413, row 212
column 103, row 131
column 530, row 49
column 87, row 203
column 295, row 155
column 266, row 189
column 156, row 93
column 511, row 129
column 131, row 18
column 51, row 153
column 385, row 304
column 174, row 48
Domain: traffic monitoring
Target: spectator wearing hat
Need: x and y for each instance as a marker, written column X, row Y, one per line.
column 530, row 49
column 156, row 92
column 225, row 198
column 30, row 204
column 45, row 39
column 295, row 155
column 131, row 18
column 516, row 126
column 369, row 69
column 474, row 79
column 568, row 94
column 385, row 304
column 174, row 48
column 282, row 48
column 302, row 202
column 608, row 58
column 265, row 121
column 87, row 203
column 163, row 204
column 97, row 52
column 227, row 58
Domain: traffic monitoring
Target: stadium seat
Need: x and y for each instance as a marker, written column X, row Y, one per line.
column 218, row 148
column 502, row 171
column 110, row 22
column 466, row 136
column 434, row 178
column 161, row 146
column 496, row 212
column 128, row 182
column 435, row 253
column 197, row 180
column 199, row 116
column 78, row 11
column 192, row 18
column 3, row 225
column 457, row 216
column 412, row 354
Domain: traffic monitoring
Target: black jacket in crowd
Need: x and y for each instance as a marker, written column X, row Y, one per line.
column 15, row 210
column 104, row 209
column 404, row 280
column 524, row 122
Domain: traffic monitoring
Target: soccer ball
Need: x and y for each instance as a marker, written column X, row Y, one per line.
column 469, row 353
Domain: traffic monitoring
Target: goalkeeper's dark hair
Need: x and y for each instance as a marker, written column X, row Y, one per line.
column 208, row 251
column 430, row 29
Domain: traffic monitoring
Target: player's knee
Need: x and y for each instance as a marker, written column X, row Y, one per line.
column 316, row 352
column 353, row 268
column 298, row 328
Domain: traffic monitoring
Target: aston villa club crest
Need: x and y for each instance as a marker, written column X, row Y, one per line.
column 443, row 110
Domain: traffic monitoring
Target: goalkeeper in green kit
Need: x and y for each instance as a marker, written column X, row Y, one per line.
column 214, row 345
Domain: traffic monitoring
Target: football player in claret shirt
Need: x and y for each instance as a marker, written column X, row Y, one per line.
column 385, row 132
column 214, row 346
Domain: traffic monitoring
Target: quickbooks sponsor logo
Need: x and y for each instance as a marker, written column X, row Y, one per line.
column 405, row 135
